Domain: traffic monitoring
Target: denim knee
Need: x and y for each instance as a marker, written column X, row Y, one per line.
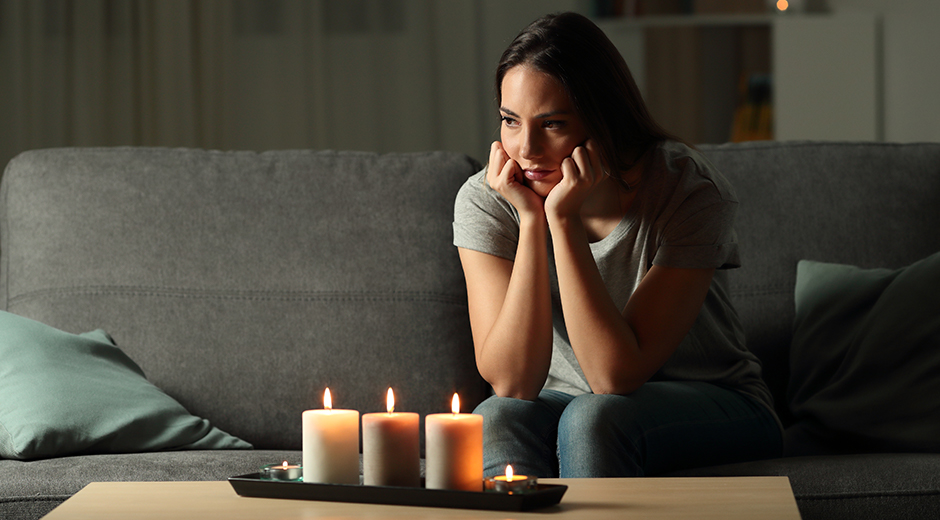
column 596, row 438
column 662, row 427
column 521, row 433
column 500, row 411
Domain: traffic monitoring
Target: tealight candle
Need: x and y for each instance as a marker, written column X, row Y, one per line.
column 331, row 444
column 283, row 471
column 391, row 449
column 510, row 483
column 454, row 450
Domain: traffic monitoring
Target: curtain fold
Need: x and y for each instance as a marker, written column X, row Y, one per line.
column 111, row 72
column 378, row 75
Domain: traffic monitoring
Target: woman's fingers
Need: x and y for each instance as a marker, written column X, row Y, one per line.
column 498, row 160
column 581, row 160
column 581, row 172
column 588, row 163
column 595, row 159
column 510, row 174
column 504, row 175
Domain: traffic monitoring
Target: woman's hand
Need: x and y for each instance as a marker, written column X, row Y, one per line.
column 505, row 176
column 581, row 172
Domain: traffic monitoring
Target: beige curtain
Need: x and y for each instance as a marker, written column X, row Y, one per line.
column 380, row 75
column 100, row 72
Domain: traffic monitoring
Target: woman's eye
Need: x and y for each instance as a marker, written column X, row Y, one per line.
column 508, row 121
column 553, row 124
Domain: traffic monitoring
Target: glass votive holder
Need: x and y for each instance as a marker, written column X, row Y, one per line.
column 283, row 471
column 515, row 484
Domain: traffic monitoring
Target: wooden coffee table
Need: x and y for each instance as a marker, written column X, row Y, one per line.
column 724, row 498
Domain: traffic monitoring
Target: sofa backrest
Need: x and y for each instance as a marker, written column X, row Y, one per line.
column 865, row 204
column 244, row 284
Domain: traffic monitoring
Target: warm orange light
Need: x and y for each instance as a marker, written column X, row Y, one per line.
column 455, row 404
column 284, row 465
column 782, row 5
column 390, row 401
column 509, row 473
column 327, row 400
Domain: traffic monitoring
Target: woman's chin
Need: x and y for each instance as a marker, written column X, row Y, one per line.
column 541, row 188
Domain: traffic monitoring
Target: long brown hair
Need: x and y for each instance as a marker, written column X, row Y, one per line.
column 577, row 53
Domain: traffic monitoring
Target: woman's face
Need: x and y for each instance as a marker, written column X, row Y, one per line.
column 539, row 126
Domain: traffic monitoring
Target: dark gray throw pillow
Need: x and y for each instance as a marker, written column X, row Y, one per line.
column 865, row 359
column 66, row 394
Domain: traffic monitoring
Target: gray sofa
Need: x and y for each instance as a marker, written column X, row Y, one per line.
column 242, row 284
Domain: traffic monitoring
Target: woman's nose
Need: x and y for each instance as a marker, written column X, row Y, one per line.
column 531, row 146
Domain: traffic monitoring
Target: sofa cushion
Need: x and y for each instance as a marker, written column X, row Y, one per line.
column 65, row 394
column 862, row 203
column 31, row 489
column 850, row 487
column 245, row 283
column 865, row 359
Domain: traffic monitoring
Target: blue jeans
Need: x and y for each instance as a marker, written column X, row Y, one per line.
column 662, row 427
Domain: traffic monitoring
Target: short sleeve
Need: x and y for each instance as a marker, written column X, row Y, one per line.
column 483, row 220
column 700, row 231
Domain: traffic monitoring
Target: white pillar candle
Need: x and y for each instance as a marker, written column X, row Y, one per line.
column 390, row 447
column 454, row 450
column 331, row 444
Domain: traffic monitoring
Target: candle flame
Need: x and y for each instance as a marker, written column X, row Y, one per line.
column 327, row 399
column 284, row 464
column 509, row 473
column 390, row 401
column 455, row 404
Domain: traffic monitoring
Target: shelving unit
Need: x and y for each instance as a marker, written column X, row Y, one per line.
column 825, row 69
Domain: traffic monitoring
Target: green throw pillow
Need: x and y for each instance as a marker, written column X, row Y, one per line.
column 65, row 394
column 865, row 357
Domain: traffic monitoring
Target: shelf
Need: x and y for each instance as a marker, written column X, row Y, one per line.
column 689, row 68
column 825, row 70
column 702, row 20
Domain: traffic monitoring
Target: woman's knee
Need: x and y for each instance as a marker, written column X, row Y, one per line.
column 545, row 410
column 497, row 411
column 521, row 433
column 589, row 414
column 596, row 438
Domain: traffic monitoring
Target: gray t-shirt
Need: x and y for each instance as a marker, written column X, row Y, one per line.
column 682, row 216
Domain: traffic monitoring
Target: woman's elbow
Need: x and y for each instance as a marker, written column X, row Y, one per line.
column 616, row 384
column 616, row 389
column 515, row 391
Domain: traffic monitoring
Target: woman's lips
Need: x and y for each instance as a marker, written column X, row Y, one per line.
column 537, row 175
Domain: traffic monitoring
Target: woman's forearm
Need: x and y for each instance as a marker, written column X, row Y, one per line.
column 603, row 342
column 516, row 354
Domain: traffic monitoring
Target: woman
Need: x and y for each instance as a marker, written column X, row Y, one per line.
column 590, row 245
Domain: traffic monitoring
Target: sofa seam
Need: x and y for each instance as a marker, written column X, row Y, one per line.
column 883, row 494
column 182, row 293
column 34, row 498
column 5, row 232
column 161, row 150
column 804, row 143
column 761, row 292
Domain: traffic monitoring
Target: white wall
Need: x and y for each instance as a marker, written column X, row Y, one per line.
column 911, row 67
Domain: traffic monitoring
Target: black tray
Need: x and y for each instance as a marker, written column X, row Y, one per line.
column 543, row 495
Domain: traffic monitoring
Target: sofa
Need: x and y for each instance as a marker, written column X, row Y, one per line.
column 229, row 289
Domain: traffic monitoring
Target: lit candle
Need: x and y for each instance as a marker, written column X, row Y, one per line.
column 331, row 444
column 454, row 450
column 283, row 471
column 391, row 450
column 511, row 483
